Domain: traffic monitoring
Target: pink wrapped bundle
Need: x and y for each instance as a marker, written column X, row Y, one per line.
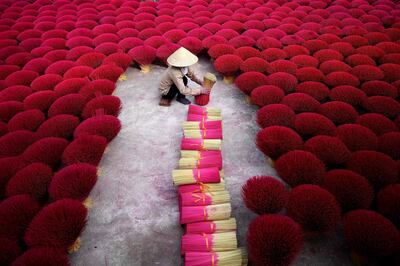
column 209, row 242
column 235, row 257
column 199, row 154
column 200, row 144
column 197, row 117
column 201, row 187
column 203, row 199
column 196, row 125
column 207, row 162
column 193, row 176
column 211, row 227
column 192, row 214
column 204, row 134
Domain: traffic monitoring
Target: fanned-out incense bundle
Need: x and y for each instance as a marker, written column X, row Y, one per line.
column 212, row 227
column 193, row 109
column 203, row 134
column 196, row 117
column 237, row 257
column 201, row 144
column 201, row 188
column 209, row 242
column 199, row 154
column 208, row 83
column 207, row 162
column 204, row 125
column 193, row 176
column 192, row 214
column 203, row 199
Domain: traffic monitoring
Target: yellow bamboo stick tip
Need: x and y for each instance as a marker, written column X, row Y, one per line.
column 123, row 77
column 228, row 79
column 145, row 68
column 88, row 203
column 75, row 246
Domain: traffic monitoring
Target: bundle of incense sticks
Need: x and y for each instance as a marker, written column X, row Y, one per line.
column 237, row 257
column 202, row 187
column 197, row 117
column 209, row 242
column 201, row 144
column 194, row 109
column 199, row 154
column 193, row 176
column 211, row 227
column 203, row 134
column 202, row 125
column 207, row 162
column 204, row 198
column 192, row 214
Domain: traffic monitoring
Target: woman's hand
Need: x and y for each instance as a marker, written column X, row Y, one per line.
column 204, row 91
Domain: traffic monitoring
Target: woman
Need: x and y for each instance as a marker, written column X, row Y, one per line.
column 175, row 78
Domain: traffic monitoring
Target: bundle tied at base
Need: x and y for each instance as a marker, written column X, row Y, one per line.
column 236, row 257
column 208, row 82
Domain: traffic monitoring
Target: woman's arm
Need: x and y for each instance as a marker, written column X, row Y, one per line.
column 193, row 76
column 177, row 79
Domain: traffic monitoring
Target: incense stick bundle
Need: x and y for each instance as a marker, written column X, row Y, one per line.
column 193, row 176
column 212, row 227
column 199, row 154
column 209, row 80
column 203, row 134
column 202, row 125
column 192, row 214
column 201, row 144
column 196, row 117
column 202, row 188
column 208, row 162
column 194, row 109
column 235, row 257
column 209, row 242
column 203, row 199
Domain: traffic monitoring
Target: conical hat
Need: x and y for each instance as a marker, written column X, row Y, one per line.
column 182, row 58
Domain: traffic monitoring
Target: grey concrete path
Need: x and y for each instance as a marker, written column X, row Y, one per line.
column 134, row 219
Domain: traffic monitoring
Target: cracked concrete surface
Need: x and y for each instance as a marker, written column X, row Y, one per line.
column 134, row 218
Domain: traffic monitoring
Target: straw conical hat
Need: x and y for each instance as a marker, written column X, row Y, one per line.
column 182, row 58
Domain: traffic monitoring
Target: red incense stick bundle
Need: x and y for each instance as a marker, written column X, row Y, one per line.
column 200, row 144
column 193, row 176
column 202, row 125
column 202, row 188
column 203, row 134
column 203, row 199
column 207, row 162
column 192, row 214
column 237, row 257
column 199, row 154
column 211, row 227
column 197, row 117
column 194, row 109
column 209, row 242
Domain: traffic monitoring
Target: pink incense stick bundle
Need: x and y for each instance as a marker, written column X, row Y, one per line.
column 235, row 257
column 194, row 109
column 211, row 227
column 199, row 154
column 203, row 134
column 193, row 176
column 203, row 199
column 201, row 188
column 196, row 125
column 192, row 214
column 207, row 162
column 209, row 242
column 197, row 117
column 200, row 144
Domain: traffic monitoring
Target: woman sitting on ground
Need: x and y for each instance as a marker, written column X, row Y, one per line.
column 175, row 78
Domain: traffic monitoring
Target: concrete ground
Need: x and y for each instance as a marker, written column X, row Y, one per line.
column 134, row 218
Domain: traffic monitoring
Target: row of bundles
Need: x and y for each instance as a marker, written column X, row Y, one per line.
column 204, row 203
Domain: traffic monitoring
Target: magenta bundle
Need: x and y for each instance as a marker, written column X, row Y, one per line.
column 204, row 203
